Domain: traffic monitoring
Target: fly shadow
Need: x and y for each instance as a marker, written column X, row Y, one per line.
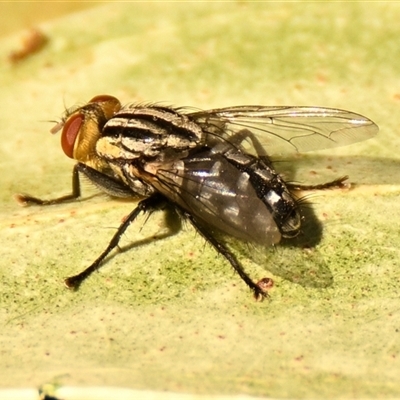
column 298, row 260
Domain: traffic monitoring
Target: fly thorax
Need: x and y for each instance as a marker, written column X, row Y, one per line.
column 112, row 148
column 138, row 185
column 149, row 131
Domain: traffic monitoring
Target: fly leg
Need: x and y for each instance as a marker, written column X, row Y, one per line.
column 258, row 291
column 102, row 181
column 245, row 134
column 147, row 205
column 26, row 199
column 338, row 183
column 239, row 137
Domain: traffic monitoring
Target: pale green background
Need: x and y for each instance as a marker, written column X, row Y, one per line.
column 171, row 315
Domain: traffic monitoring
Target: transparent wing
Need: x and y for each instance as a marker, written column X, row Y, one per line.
column 218, row 195
column 281, row 130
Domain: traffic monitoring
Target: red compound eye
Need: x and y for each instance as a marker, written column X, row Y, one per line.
column 70, row 133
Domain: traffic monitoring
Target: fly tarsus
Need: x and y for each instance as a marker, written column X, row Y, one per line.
column 264, row 284
column 73, row 282
column 339, row 183
column 27, row 200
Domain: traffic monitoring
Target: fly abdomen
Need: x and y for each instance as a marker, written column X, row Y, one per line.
column 271, row 189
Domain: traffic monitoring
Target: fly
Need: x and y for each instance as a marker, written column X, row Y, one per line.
column 212, row 166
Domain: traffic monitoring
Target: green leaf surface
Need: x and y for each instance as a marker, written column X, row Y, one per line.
column 168, row 313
